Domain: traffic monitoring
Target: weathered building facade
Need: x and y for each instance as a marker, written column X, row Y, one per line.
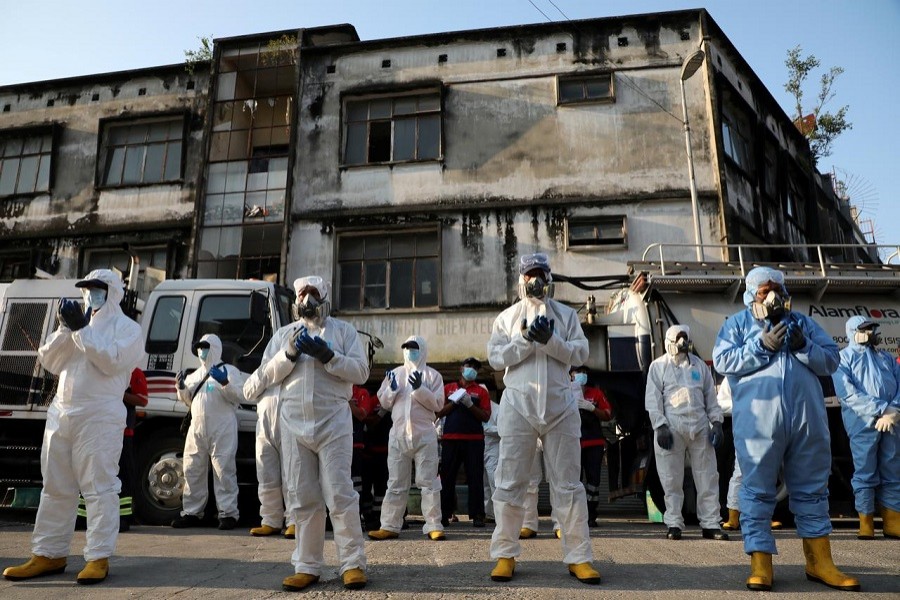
column 411, row 172
column 91, row 163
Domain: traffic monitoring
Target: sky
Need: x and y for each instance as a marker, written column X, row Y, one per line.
column 51, row 39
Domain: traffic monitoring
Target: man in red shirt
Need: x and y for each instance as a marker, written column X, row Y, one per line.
column 362, row 404
column 593, row 409
column 467, row 406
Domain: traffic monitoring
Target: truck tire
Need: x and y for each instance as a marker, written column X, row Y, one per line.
column 157, row 499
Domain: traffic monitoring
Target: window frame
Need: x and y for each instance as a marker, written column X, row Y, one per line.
column 105, row 125
column 585, row 78
column 392, row 96
column 615, row 244
column 360, row 308
column 736, row 124
column 24, row 134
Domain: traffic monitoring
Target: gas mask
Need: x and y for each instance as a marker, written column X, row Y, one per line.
column 469, row 374
column 411, row 355
column 310, row 308
column 95, row 298
column 681, row 345
column 581, row 379
column 773, row 307
column 867, row 337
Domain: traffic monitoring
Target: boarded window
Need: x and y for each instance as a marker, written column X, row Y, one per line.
column 392, row 129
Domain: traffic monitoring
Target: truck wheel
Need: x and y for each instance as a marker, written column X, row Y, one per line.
column 161, row 477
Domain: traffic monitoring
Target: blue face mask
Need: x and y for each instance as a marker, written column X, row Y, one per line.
column 411, row 355
column 202, row 353
column 581, row 378
column 96, row 298
column 469, row 374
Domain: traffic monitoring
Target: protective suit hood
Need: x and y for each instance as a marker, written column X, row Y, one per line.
column 315, row 281
column 115, row 289
column 758, row 276
column 423, row 353
column 215, row 350
column 673, row 331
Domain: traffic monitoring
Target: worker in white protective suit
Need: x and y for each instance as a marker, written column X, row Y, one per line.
column 536, row 341
column 413, row 392
column 312, row 364
column 681, row 400
column 212, row 393
column 270, row 483
column 93, row 354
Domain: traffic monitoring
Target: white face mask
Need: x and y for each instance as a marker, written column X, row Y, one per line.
column 581, row 379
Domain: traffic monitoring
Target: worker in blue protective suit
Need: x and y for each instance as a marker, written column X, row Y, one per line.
column 772, row 358
column 868, row 385
column 536, row 341
column 93, row 354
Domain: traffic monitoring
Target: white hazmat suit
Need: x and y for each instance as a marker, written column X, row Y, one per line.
column 681, row 394
column 212, row 436
column 412, row 438
column 83, row 434
column 537, row 405
column 317, row 433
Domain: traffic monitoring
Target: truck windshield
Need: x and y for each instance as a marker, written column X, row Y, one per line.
column 228, row 317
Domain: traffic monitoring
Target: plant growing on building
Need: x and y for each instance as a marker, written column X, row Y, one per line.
column 280, row 50
column 820, row 127
column 203, row 54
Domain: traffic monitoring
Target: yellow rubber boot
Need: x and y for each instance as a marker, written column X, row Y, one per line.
column 504, row 569
column 263, row 531
column 820, row 567
column 585, row 573
column 526, row 533
column 35, row 567
column 291, row 532
column 760, row 579
column 890, row 522
column 557, row 533
column 94, row 571
column 437, row 535
column 866, row 527
column 383, row 534
column 734, row 520
column 298, row 581
column 354, row 579
column 777, row 525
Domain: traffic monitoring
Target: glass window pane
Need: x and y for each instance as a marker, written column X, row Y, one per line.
column 429, row 144
column 32, row 145
column 153, row 166
column 403, row 246
column 402, row 283
column 176, row 129
column 570, row 90
column 277, row 173
column 215, row 183
column 375, row 292
column 357, row 111
column 426, row 282
column 275, row 205
column 222, row 115
column 257, row 180
column 218, row 148
column 137, row 134
column 598, row 88
column 134, row 160
column 355, row 153
column 212, row 210
column 427, row 244
column 349, row 283
column 47, row 143
column 8, row 176
column 380, row 109
column 237, row 145
column 157, row 132
column 114, row 163
column 350, row 248
column 404, row 139
column 282, row 116
column 405, row 105
column 225, row 86
column 379, row 141
column 118, row 135
column 230, row 242
column 43, row 178
column 173, row 161
column 27, row 174
column 236, row 177
column 429, row 102
column 209, row 243
column 377, row 247
column 255, row 206
column 233, row 209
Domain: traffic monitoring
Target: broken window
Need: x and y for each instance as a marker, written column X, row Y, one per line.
column 381, row 271
column 594, row 88
column 393, row 129
column 142, row 151
column 737, row 138
column 597, row 231
column 25, row 160
column 152, row 264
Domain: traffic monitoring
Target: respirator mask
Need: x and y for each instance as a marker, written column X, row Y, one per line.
column 867, row 337
column 773, row 307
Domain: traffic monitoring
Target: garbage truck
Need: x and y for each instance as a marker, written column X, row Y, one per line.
column 661, row 291
column 244, row 314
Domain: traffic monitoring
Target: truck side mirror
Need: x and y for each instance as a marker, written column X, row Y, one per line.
column 259, row 309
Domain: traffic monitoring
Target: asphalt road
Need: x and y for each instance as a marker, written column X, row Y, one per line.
column 632, row 555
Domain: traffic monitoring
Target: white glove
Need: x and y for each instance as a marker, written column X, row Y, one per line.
column 466, row 401
column 586, row 405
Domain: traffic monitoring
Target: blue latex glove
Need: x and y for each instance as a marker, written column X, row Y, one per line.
column 179, row 379
column 415, row 380
column 541, row 330
column 393, row 379
column 292, row 350
column 664, row 437
column 315, row 347
column 219, row 373
column 716, row 436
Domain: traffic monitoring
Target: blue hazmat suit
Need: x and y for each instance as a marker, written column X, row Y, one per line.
column 868, row 382
column 778, row 418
